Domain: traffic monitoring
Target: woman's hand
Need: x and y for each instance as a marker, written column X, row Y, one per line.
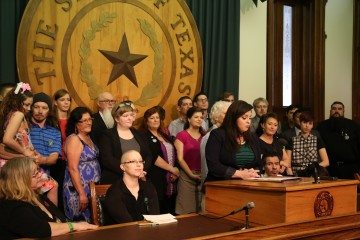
column 175, row 171
column 29, row 153
column 83, row 201
column 195, row 177
column 81, row 226
column 246, row 173
column 284, row 164
column 173, row 177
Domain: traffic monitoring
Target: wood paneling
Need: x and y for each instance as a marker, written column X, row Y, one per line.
column 308, row 88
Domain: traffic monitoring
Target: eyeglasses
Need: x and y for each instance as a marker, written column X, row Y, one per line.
column 88, row 120
column 108, row 101
column 134, row 162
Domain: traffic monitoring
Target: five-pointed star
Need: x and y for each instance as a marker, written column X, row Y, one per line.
column 123, row 61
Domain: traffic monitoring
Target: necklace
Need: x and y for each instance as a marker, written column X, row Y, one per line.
column 240, row 140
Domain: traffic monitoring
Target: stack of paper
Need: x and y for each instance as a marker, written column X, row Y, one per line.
column 160, row 219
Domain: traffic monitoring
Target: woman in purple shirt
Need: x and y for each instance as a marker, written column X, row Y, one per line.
column 187, row 146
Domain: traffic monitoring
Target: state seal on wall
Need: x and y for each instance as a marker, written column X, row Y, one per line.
column 148, row 51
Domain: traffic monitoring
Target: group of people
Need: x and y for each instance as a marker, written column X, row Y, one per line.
column 49, row 154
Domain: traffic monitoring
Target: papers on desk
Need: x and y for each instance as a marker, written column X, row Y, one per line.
column 160, row 219
column 274, row 179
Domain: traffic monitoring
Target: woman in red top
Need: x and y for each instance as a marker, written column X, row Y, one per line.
column 187, row 146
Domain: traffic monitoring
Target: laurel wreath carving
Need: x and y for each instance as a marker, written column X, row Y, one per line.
column 152, row 88
column 86, row 71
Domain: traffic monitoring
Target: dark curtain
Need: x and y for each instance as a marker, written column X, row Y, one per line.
column 10, row 16
column 218, row 22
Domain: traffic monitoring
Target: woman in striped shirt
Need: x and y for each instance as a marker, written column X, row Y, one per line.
column 232, row 151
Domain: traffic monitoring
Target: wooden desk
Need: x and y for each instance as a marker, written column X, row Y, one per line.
column 282, row 202
column 198, row 227
column 188, row 226
column 341, row 227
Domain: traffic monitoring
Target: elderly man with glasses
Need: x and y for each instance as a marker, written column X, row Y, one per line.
column 102, row 119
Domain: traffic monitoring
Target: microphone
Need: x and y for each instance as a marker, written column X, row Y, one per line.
column 248, row 206
column 146, row 202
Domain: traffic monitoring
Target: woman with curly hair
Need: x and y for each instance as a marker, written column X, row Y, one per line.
column 14, row 126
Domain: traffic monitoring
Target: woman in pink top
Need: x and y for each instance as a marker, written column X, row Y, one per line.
column 14, row 125
column 187, row 146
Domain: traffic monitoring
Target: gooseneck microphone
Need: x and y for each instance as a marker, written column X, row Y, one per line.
column 248, row 206
column 245, row 208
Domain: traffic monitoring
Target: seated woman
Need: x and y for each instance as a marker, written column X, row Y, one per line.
column 232, row 151
column 22, row 213
column 270, row 143
column 129, row 197
column 306, row 148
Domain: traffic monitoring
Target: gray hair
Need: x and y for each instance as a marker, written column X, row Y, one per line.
column 259, row 100
column 217, row 109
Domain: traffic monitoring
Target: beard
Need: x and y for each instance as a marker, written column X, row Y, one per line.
column 108, row 118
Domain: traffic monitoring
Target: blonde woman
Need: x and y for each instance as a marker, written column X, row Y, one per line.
column 23, row 214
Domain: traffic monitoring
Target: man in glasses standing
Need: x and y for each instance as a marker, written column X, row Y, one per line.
column 102, row 119
column 201, row 101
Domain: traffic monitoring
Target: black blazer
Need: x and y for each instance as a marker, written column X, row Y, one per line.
column 110, row 154
column 98, row 126
column 156, row 174
column 221, row 160
column 19, row 219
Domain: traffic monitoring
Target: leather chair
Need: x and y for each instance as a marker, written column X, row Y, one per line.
column 97, row 196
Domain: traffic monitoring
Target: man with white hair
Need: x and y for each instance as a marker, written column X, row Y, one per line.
column 261, row 108
column 102, row 119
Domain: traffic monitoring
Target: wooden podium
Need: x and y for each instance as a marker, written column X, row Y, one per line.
column 283, row 202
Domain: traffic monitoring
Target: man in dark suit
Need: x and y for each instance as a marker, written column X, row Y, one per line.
column 102, row 119
column 342, row 140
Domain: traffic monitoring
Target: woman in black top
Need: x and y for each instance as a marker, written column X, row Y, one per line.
column 270, row 143
column 119, row 139
column 163, row 173
column 22, row 213
column 130, row 197
column 232, row 151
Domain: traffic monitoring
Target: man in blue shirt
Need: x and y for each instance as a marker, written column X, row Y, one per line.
column 45, row 137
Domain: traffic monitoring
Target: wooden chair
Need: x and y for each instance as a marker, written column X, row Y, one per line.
column 97, row 195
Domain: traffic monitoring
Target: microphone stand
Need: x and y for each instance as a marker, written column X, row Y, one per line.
column 247, row 224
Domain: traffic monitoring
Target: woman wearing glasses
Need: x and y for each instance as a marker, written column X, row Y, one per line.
column 130, row 197
column 23, row 212
column 119, row 139
column 82, row 165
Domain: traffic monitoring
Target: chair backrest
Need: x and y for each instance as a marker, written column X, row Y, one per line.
column 97, row 195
